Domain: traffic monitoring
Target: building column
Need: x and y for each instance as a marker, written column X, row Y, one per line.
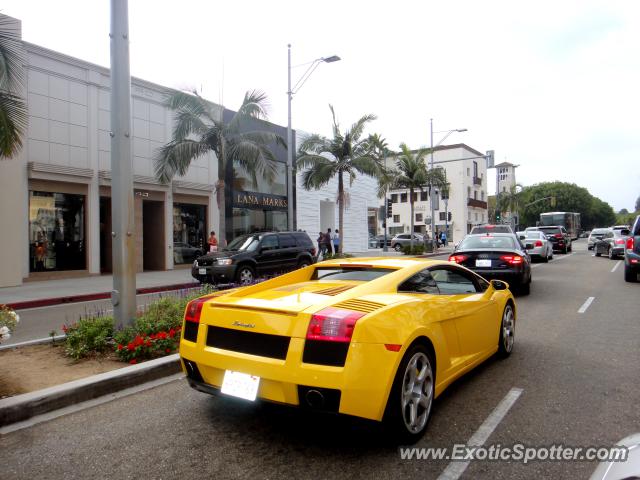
column 93, row 189
column 168, row 228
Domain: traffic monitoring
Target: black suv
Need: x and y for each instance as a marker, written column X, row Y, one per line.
column 257, row 254
column 558, row 236
column 632, row 253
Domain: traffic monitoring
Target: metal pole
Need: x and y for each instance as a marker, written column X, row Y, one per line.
column 289, row 146
column 433, row 220
column 123, row 295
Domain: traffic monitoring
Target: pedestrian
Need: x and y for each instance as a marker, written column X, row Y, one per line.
column 213, row 242
column 322, row 246
column 443, row 238
column 329, row 240
column 336, row 241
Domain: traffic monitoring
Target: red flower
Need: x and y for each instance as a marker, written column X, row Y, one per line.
column 172, row 333
column 148, row 343
column 168, row 350
column 131, row 347
column 64, row 328
column 133, row 361
column 119, row 347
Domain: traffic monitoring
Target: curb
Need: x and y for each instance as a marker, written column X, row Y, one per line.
column 22, row 407
column 88, row 297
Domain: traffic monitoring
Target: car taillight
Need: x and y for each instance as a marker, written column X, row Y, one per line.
column 538, row 243
column 558, row 235
column 194, row 309
column 630, row 243
column 619, row 241
column 333, row 325
column 512, row 259
column 458, row 258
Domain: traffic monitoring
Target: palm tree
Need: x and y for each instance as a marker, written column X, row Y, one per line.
column 344, row 154
column 508, row 201
column 13, row 109
column 199, row 130
column 411, row 173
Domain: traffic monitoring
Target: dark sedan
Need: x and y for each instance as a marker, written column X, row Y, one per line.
column 612, row 244
column 497, row 255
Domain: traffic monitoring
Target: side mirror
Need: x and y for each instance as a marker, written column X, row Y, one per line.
column 499, row 285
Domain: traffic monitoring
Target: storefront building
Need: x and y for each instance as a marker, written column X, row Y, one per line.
column 56, row 193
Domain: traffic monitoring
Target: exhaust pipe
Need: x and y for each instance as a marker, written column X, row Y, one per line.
column 314, row 399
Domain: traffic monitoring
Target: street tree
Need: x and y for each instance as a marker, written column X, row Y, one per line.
column 345, row 154
column 13, row 108
column 200, row 130
column 638, row 204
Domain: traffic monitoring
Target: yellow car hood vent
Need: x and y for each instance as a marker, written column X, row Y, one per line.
column 334, row 290
column 365, row 306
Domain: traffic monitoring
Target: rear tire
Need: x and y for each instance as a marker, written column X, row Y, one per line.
column 630, row 275
column 610, row 254
column 245, row 275
column 397, row 247
column 525, row 288
column 411, row 399
column 304, row 263
column 507, row 331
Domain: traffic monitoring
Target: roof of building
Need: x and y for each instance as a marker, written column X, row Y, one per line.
column 505, row 164
column 444, row 147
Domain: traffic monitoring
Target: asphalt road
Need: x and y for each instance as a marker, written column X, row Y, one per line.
column 578, row 373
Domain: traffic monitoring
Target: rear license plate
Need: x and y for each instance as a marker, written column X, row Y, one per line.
column 202, row 271
column 240, row 385
column 483, row 263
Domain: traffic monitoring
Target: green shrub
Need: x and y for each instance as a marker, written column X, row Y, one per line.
column 418, row 249
column 163, row 314
column 88, row 335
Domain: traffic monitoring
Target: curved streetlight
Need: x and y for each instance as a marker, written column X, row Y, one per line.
column 433, row 219
column 290, row 92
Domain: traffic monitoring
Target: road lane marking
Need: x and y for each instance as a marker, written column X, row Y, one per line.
column 555, row 259
column 615, row 267
column 455, row 469
column 586, row 304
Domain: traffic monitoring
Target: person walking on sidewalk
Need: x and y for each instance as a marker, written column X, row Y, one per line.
column 213, row 242
column 443, row 238
column 336, row 241
column 329, row 239
column 322, row 245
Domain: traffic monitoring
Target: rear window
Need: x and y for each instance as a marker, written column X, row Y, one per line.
column 303, row 240
column 492, row 229
column 471, row 243
column 329, row 274
column 550, row 230
column 599, row 231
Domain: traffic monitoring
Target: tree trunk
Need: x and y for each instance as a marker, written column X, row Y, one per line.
column 412, row 218
column 341, row 212
column 220, row 198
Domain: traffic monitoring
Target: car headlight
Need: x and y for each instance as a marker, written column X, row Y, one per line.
column 195, row 262
column 224, row 261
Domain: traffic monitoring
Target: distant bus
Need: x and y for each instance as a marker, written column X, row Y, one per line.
column 569, row 220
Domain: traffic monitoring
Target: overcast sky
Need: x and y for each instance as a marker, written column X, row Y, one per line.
column 551, row 86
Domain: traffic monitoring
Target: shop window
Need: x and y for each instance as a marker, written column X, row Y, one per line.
column 56, row 232
column 189, row 232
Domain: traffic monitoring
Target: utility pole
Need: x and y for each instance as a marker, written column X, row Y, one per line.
column 123, row 295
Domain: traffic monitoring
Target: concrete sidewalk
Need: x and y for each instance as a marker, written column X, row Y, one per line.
column 88, row 288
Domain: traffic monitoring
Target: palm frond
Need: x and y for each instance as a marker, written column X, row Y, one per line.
column 175, row 158
column 313, row 144
column 254, row 157
column 319, row 175
column 13, row 123
column 358, row 127
column 11, row 56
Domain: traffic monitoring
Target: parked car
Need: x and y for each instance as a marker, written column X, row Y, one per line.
column 380, row 239
column 489, row 228
column 557, row 235
column 595, row 235
column 537, row 244
column 185, row 253
column 404, row 240
column 496, row 256
column 632, row 253
column 612, row 243
column 256, row 254
column 383, row 349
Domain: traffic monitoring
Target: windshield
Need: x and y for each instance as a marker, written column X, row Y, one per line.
column 549, row 230
column 244, row 243
column 363, row 274
column 471, row 243
column 533, row 234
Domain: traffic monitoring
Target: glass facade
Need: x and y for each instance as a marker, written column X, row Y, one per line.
column 243, row 181
column 189, row 232
column 247, row 220
column 56, row 232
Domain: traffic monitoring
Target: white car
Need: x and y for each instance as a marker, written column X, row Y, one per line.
column 537, row 244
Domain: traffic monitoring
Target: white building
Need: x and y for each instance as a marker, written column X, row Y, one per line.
column 505, row 177
column 466, row 173
column 317, row 210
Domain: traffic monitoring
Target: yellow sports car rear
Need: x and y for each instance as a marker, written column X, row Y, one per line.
column 377, row 338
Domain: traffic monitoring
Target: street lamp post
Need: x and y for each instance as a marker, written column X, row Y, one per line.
column 290, row 92
column 433, row 219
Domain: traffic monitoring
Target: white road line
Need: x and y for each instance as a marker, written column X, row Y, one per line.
column 455, row 469
column 555, row 259
column 615, row 267
column 586, row 304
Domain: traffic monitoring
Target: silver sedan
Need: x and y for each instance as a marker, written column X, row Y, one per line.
column 541, row 248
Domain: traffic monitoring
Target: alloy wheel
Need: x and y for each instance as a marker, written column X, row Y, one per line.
column 417, row 392
column 508, row 329
column 246, row 276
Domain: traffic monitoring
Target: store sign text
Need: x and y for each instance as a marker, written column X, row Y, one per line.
column 259, row 200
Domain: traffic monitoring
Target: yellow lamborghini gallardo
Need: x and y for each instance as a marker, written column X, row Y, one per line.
column 377, row 338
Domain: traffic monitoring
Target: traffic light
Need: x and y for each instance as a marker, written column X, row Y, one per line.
column 497, row 216
column 389, row 208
